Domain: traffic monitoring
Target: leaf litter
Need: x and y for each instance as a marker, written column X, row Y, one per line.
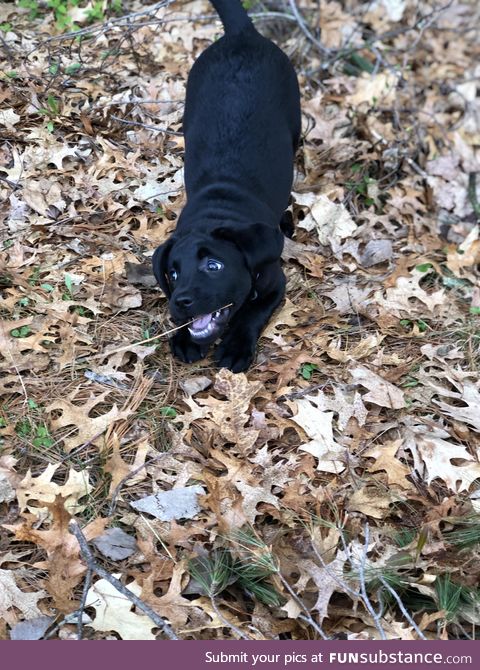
column 346, row 461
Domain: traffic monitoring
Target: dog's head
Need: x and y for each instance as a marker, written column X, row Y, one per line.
column 201, row 273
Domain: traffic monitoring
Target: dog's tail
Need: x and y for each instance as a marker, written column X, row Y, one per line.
column 233, row 16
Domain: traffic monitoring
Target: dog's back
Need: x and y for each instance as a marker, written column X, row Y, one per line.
column 241, row 122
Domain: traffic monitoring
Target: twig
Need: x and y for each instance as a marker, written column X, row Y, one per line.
column 308, row 619
column 303, row 392
column 307, row 616
column 135, row 101
column 402, row 608
column 76, row 451
column 363, row 590
column 134, row 344
column 126, row 21
column 225, row 621
column 417, row 168
column 7, row 49
column 13, row 185
column 116, row 583
column 306, row 30
column 345, row 52
column 146, row 126
column 86, row 587
column 472, row 193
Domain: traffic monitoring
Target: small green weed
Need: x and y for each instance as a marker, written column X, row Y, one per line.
column 23, row 331
column 307, row 370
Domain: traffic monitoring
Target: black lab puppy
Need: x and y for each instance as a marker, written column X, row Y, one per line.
column 242, row 126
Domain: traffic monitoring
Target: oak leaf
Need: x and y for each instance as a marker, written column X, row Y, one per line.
column 318, row 426
column 433, row 453
column 13, row 598
column 380, row 391
column 42, row 490
column 384, row 455
column 113, row 612
column 89, row 427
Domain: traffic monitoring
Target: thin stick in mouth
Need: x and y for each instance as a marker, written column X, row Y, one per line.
column 150, row 339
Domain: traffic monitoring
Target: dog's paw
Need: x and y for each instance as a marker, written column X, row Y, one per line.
column 183, row 348
column 236, row 356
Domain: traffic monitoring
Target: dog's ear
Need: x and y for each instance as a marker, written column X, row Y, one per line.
column 160, row 265
column 260, row 243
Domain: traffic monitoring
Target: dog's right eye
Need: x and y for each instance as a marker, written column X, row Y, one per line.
column 173, row 275
column 213, row 265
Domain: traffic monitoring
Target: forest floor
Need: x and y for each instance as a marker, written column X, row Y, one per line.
column 332, row 490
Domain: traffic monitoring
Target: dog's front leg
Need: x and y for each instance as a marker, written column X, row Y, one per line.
column 237, row 349
column 183, row 348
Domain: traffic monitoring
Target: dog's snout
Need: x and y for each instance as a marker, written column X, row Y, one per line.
column 183, row 300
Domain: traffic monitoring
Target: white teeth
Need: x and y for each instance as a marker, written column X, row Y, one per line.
column 201, row 333
column 216, row 314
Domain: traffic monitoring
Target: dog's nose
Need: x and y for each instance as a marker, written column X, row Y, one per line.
column 183, row 300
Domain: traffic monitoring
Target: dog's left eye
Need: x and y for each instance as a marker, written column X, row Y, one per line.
column 214, row 266
column 173, row 275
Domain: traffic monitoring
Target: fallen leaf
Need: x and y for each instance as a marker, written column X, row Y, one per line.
column 181, row 503
column 380, row 392
column 41, row 489
column 13, row 598
column 433, row 453
column 31, row 629
column 371, row 501
column 318, row 426
column 331, row 222
column 385, row 459
column 116, row 544
column 113, row 612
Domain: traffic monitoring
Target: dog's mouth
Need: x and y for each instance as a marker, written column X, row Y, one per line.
column 209, row 326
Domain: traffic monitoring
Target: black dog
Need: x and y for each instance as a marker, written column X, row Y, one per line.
column 242, row 126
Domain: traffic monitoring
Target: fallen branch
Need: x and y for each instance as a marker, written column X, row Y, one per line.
column 402, row 608
column 472, row 193
column 93, row 566
column 157, row 129
column 306, row 30
column 363, row 589
column 86, row 587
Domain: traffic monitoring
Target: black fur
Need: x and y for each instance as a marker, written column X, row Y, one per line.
column 242, row 126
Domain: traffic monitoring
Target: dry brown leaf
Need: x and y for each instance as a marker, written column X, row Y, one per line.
column 9, row 478
column 398, row 300
column 318, row 427
column 374, row 89
column 172, row 606
column 120, row 469
column 384, row 455
column 63, row 564
column 461, row 261
column 467, row 399
column 41, row 489
column 380, row 392
column 328, row 580
column 433, row 453
column 284, row 317
column 89, row 427
column 330, row 221
column 231, row 415
column 14, row 599
column 355, row 353
column 113, row 612
column 372, row 501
